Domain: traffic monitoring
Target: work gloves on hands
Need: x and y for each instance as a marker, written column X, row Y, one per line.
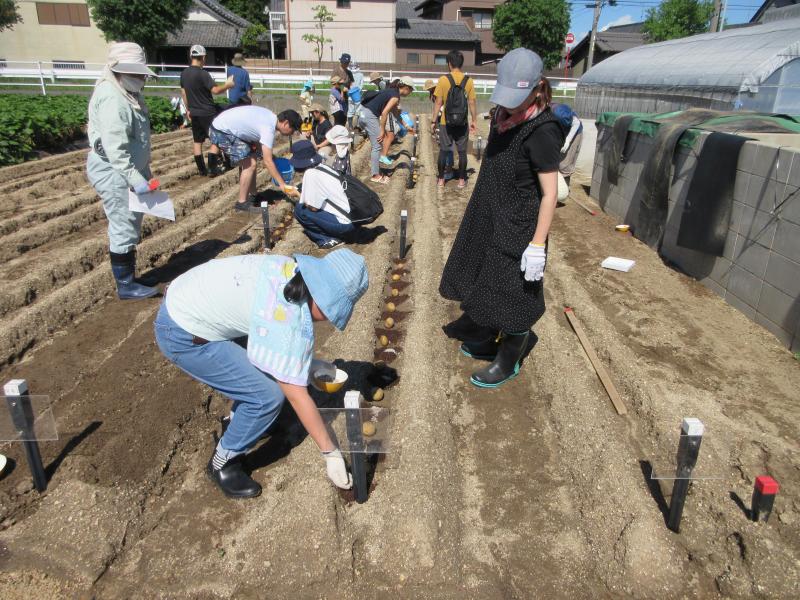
column 337, row 469
column 533, row 261
column 146, row 187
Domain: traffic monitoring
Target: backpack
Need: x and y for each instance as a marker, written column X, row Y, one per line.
column 455, row 106
column 365, row 204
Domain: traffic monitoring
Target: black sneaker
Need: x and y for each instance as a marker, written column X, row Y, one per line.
column 243, row 206
column 330, row 244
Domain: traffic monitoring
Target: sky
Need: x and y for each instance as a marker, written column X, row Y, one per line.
column 632, row 11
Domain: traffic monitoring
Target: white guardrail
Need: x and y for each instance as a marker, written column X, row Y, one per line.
column 46, row 74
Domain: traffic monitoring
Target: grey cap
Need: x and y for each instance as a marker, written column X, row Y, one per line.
column 518, row 73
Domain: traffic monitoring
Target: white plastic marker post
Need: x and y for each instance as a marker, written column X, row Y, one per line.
column 403, row 225
column 688, row 451
column 478, row 147
column 267, row 230
column 358, row 465
column 19, row 405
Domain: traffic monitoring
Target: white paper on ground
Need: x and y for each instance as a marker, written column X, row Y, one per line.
column 155, row 203
column 618, row 264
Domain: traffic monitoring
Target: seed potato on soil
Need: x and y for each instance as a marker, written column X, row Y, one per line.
column 532, row 490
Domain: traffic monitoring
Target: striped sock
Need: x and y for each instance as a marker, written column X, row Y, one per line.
column 218, row 461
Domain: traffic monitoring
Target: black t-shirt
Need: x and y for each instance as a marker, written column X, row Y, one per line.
column 197, row 83
column 541, row 152
column 379, row 102
column 320, row 129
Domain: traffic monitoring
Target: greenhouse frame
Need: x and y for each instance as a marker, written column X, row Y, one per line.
column 747, row 68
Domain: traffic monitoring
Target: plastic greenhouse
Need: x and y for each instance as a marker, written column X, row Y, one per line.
column 748, row 68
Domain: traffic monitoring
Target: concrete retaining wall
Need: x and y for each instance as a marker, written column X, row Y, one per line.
column 759, row 272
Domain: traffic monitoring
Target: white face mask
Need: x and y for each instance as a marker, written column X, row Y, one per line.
column 132, row 83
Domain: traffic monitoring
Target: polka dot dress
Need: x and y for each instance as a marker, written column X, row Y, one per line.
column 483, row 269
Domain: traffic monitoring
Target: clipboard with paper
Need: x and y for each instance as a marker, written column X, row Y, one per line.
column 157, row 204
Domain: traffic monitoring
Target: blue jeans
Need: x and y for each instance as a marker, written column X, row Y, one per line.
column 223, row 366
column 321, row 226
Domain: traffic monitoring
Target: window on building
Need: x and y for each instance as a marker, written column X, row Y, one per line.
column 342, row 3
column 69, row 65
column 413, row 58
column 482, row 19
column 51, row 13
column 440, row 59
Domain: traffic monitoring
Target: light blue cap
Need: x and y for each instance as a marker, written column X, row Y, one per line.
column 518, row 73
column 336, row 282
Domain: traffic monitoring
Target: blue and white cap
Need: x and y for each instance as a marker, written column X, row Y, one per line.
column 336, row 282
column 518, row 73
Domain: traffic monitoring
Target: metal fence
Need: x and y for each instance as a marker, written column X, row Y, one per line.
column 45, row 75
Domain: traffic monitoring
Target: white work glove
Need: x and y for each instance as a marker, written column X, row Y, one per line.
column 533, row 261
column 321, row 368
column 337, row 470
column 564, row 148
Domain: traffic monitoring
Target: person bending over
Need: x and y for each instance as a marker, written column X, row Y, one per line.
column 375, row 116
column 274, row 301
column 245, row 134
column 323, row 207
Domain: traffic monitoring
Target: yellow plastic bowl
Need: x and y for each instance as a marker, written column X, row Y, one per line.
column 623, row 228
column 331, row 386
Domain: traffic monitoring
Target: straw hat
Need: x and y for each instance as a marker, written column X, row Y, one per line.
column 375, row 76
column 336, row 79
column 238, row 60
column 429, row 84
column 316, row 107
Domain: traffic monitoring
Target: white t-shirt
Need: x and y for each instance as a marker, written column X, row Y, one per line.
column 249, row 123
column 321, row 189
column 214, row 300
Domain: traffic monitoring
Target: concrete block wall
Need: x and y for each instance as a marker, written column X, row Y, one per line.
column 759, row 272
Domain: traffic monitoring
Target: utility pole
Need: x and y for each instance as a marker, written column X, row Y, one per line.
column 715, row 17
column 598, row 5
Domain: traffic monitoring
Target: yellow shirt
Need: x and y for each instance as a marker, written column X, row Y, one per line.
column 443, row 87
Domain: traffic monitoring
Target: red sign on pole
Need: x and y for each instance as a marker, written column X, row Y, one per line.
column 570, row 38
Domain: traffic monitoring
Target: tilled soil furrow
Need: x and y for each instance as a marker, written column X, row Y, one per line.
column 30, row 173
column 63, row 221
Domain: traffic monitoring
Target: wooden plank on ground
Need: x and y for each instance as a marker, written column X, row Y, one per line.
column 605, row 378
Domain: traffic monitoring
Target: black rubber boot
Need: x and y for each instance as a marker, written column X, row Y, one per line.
column 481, row 350
column 124, row 267
column 214, row 167
column 232, row 479
column 201, row 165
column 226, row 162
column 506, row 364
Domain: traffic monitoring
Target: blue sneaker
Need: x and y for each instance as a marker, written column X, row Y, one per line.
column 385, row 160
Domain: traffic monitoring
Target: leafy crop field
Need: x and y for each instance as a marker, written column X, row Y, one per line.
column 33, row 123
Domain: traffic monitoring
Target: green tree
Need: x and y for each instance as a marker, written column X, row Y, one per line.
column 9, row 14
column 321, row 15
column 145, row 22
column 539, row 25
column 252, row 10
column 251, row 44
column 677, row 18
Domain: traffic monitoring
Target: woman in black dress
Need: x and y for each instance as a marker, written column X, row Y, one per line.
column 497, row 262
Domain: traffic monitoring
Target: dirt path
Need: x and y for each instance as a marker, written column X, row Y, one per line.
column 533, row 490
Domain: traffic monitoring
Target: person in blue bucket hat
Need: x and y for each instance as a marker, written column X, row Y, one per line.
column 274, row 301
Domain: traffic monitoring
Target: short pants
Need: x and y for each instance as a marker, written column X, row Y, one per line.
column 235, row 148
column 200, row 127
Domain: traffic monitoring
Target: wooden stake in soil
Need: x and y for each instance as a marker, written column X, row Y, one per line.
column 584, row 207
column 358, row 463
column 688, row 450
column 403, row 225
column 19, row 405
column 268, row 245
column 605, row 379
